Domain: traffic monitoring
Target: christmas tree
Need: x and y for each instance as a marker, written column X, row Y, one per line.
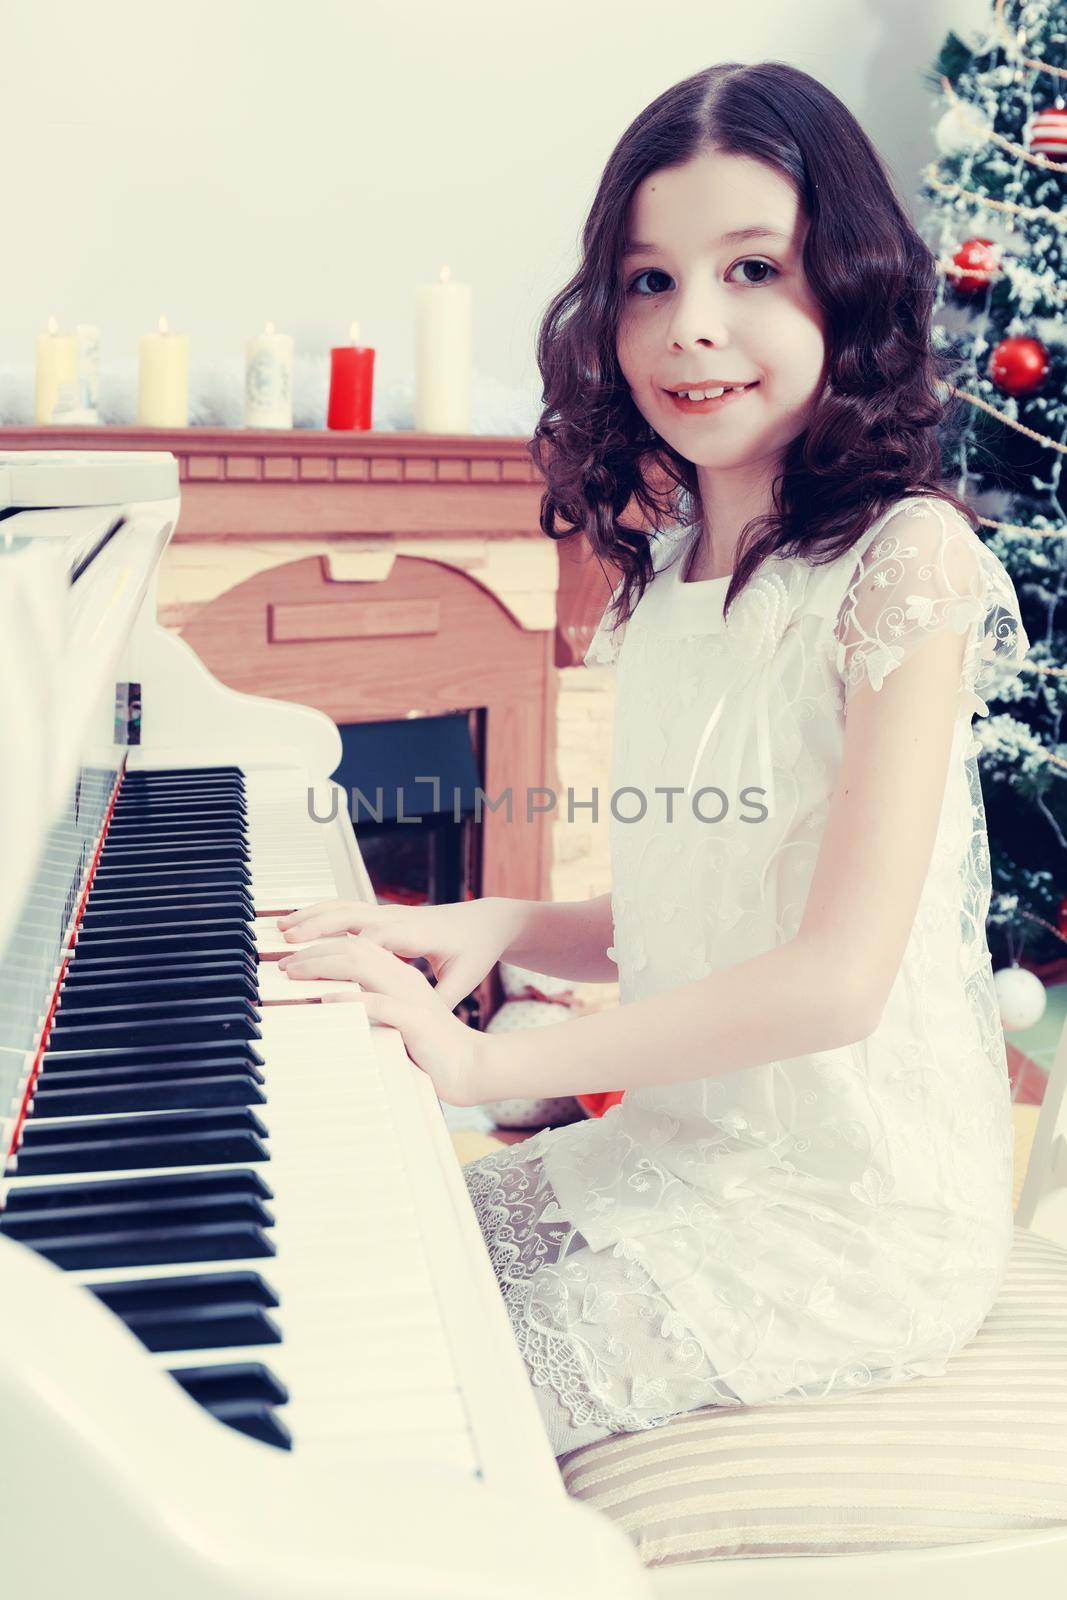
column 997, row 225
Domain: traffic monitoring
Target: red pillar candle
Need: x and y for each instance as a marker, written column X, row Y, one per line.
column 351, row 384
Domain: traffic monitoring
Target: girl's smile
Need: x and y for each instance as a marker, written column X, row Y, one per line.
column 700, row 408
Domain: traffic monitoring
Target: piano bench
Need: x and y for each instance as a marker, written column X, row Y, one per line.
column 975, row 1455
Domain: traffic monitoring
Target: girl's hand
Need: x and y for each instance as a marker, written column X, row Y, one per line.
column 461, row 940
column 452, row 1055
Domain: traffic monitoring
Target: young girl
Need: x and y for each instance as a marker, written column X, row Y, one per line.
column 806, row 1187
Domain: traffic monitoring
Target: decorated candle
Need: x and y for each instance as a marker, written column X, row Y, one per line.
column 88, row 338
column 57, row 363
column 269, row 380
column 163, row 385
column 351, row 384
column 443, row 356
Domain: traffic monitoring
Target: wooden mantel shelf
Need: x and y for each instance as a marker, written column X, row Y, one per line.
column 253, row 483
column 309, row 485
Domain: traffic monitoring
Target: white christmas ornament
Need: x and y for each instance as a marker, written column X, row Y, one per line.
column 960, row 130
column 1022, row 998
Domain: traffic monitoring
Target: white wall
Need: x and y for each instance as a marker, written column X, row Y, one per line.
column 310, row 161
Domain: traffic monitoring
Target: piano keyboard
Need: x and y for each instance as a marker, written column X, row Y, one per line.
column 251, row 1341
column 225, row 1175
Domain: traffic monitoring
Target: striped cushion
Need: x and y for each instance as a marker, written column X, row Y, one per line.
column 972, row 1455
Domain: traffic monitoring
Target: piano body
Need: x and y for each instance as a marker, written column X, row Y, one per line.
column 250, row 1340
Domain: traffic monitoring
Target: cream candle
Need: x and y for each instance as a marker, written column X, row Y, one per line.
column 269, row 380
column 57, row 363
column 443, row 356
column 163, row 379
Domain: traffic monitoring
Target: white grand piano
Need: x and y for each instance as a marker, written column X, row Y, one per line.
column 250, row 1340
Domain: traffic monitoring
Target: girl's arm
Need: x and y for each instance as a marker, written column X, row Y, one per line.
column 565, row 939
column 828, row 986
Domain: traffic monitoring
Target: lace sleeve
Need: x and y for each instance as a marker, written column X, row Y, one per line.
column 607, row 640
column 924, row 571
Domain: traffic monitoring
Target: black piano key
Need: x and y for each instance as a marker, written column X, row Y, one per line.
column 258, row 1421
column 226, row 789
column 157, row 990
column 150, row 1247
column 129, row 793
column 155, row 819
column 152, row 851
column 173, row 852
column 155, row 1125
column 120, row 1155
column 205, row 1027
column 85, row 963
column 172, row 887
column 204, row 1328
column 232, row 1380
column 139, row 893
column 243, row 1286
column 214, row 938
column 145, row 1191
column 93, row 970
column 149, row 776
column 54, row 1221
column 223, row 784
column 180, row 831
column 174, row 914
column 162, row 1055
column 146, row 1073
column 164, row 1094
column 228, row 840
column 147, row 1010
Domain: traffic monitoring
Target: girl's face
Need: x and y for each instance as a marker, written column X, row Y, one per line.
column 701, row 307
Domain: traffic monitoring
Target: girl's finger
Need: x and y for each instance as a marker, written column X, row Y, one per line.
column 314, row 949
column 293, row 918
column 385, row 1008
column 454, row 985
column 338, row 918
column 363, row 962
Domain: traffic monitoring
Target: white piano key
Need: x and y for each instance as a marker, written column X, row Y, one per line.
column 270, row 940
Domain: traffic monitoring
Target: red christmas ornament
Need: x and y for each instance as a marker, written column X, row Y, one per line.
column 1018, row 366
column 1048, row 134
column 978, row 264
column 1061, row 919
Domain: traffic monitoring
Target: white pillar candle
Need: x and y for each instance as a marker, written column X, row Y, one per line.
column 269, row 380
column 443, row 356
column 57, row 363
column 88, row 338
column 163, row 386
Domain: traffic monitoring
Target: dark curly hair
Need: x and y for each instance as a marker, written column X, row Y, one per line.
column 873, row 434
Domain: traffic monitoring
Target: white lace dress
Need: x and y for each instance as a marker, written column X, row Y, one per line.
column 829, row 1221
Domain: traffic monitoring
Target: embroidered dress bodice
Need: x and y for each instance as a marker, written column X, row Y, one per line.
column 832, row 1219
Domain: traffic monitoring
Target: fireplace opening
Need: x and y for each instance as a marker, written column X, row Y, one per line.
column 410, row 787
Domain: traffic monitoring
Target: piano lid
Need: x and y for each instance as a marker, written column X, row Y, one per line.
column 35, row 478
